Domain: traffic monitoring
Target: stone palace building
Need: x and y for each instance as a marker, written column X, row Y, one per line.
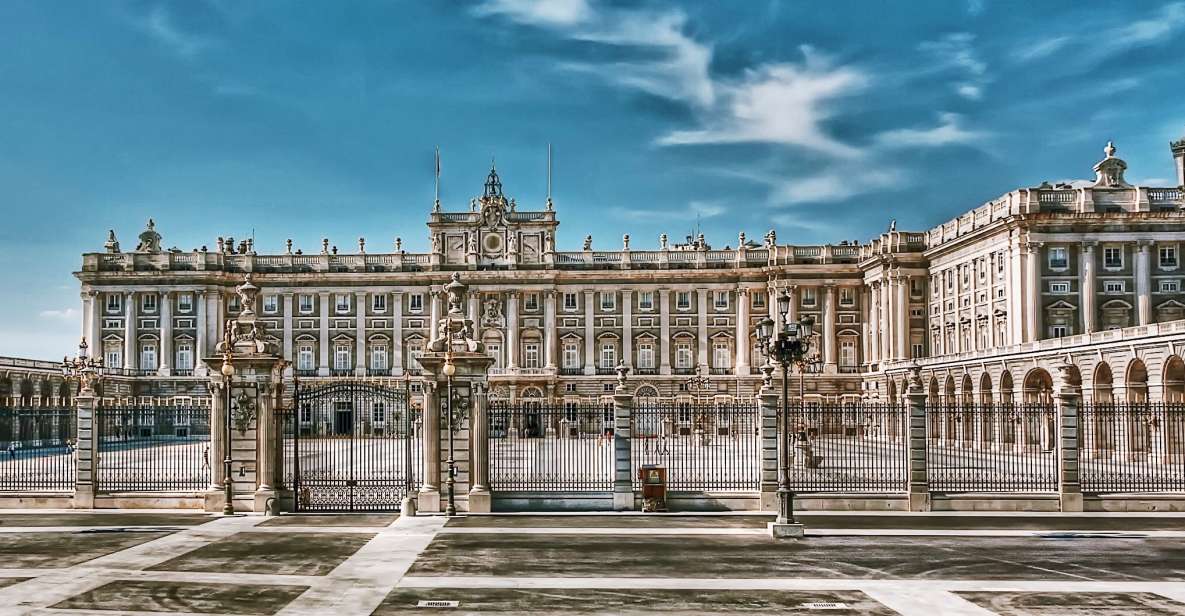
column 1087, row 271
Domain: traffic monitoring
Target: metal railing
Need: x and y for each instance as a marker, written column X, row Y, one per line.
column 1132, row 447
column 848, row 448
column 153, row 448
column 37, row 449
column 1001, row 448
column 704, row 446
column 550, row 447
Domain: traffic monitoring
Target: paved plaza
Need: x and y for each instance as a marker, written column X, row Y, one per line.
column 63, row 563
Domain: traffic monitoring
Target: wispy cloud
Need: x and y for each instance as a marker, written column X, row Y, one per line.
column 1168, row 19
column 779, row 103
column 1041, row 49
column 159, row 23
column 701, row 209
column 70, row 315
column 956, row 52
column 675, row 66
column 949, row 131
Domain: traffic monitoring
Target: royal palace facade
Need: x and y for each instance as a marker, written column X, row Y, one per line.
column 1087, row 271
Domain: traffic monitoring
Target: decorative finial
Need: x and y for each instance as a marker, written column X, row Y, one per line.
column 625, row 242
column 362, row 245
column 288, row 246
column 399, row 244
column 767, row 375
column 662, row 241
column 622, row 371
column 324, row 245
column 1110, row 149
column 741, row 239
column 112, row 244
column 588, row 242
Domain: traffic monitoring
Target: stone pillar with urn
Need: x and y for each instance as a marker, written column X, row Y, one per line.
column 246, row 385
column 456, row 367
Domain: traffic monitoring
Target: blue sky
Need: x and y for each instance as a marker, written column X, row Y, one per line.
column 312, row 119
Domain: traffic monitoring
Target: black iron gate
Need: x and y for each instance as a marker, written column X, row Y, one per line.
column 352, row 446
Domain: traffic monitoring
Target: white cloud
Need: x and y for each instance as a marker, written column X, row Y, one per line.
column 779, row 103
column 835, row 184
column 65, row 314
column 1041, row 49
column 707, row 209
column 702, row 209
column 949, row 131
column 956, row 52
column 677, row 65
column 1145, row 31
column 975, row 7
column 159, row 24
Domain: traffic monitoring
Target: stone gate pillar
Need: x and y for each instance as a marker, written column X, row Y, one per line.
column 919, row 479
column 623, row 481
column 456, row 369
column 1066, row 398
column 246, row 383
column 86, row 444
column 769, row 398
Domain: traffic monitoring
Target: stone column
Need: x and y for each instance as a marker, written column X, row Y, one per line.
column 701, row 321
column 769, row 398
column 1066, row 397
column 360, row 363
column 874, row 344
column 480, row 499
column 475, row 313
column 166, row 334
column 429, row 496
column 887, row 322
column 287, row 334
column 829, row 341
column 85, row 451
column 434, row 312
column 512, row 345
column 1143, row 274
column 664, row 331
column 795, row 301
column 130, row 360
column 549, row 329
column 589, row 335
column 627, row 328
column 90, row 307
column 1087, row 290
column 397, row 333
column 203, row 332
column 323, row 343
column 919, row 479
column 623, row 482
column 217, row 449
column 1032, row 303
column 266, row 445
column 902, row 339
column 742, row 341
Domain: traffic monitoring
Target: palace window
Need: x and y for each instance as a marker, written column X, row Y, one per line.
column 148, row 302
column 306, row 304
column 304, row 357
column 1168, row 257
column 415, row 349
column 1113, row 257
column 532, row 301
column 113, row 356
column 683, row 300
column 1114, row 286
column 148, row 356
column 1058, row 258
column 759, row 300
column 114, row 303
column 378, row 412
column 646, row 355
column 1170, row 286
column 415, row 302
column 378, row 357
column 569, row 302
column 646, row 300
column 184, row 302
column 306, row 413
column 608, row 301
column 342, row 303
column 916, row 287
column 916, row 350
column 721, row 355
column 270, row 304
column 571, row 355
column 683, row 355
column 809, row 298
column 1059, row 331
column 608, row 355
column 847, row 352
column 721, row 300
column 1059, row 287
column 847, row 296
column 494, row 349
column 531, row 355
column 233, row 304
column 378, row 302
column 184, row 360
column 341, row 357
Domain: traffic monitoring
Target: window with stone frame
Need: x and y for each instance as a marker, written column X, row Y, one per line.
column 1059, row 259
column 341, row 302
column 847, row 296
column 646, row 300
column 1113, row 257
column 305, row 358
column 494, row 349
column 1170, row 286
column 646, row 355
column 415, row 302
column 847, row 351
column 758, row 299
column 305, row 303
column 1114, row 286
column 148, row 356
column 112, row 355
column 1060, row 287
column 720, row 300
column 114, row 303
column 608, row 301
column 148, row 302
column 570, row 303
column 608, row 354
column 1168, row 256
column 185, row 302
column 271, row 304
column 683, row 355
column 571, row 355
column 184, row 356
column 342, row 354
column 531, row 355
column 378, row 302
column 531, row 302
column 721, row 354
column 378, row 357
column 683, row 300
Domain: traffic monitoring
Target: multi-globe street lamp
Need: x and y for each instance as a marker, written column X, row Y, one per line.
column 785, row 343
column 450, row 369
column 228, row 372
column 82, row 365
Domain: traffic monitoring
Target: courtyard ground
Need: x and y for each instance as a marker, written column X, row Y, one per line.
column 142, row 563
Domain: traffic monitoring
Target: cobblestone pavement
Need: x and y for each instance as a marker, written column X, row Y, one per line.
column 144, row 563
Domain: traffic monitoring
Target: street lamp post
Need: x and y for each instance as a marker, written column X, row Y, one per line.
column 228, row 372
column 83, row 366
column 449, row 370
column 785, row 343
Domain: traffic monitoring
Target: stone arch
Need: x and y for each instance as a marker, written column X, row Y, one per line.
column 1006, row 387
column 985, row 389
column 1173, row 379
column 966, row 392
column 1038, row 387
column 1136, row 381
column 646, row 391
column 1104, row 381
column 933, row 390
column 891, row 392
column 948, row 391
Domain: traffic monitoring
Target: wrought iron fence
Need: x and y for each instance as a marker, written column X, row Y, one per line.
column 705, row 446
column 1132, row 447
column 848, row 448
column 998, row 448
column 152, row 448
column 38, row 449
column 551, row 446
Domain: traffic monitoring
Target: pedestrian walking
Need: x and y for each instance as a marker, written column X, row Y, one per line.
column 12, row 449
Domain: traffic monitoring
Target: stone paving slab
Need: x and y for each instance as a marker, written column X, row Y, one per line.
column 607, row 521
column 37, row 550
column 9, row 581
column 273, row 553
column 34, row 520
column 828, row 521
column 627, row 601
column 357, row 520
column 190, row 597
column 745, row 556
column 1064, row 603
